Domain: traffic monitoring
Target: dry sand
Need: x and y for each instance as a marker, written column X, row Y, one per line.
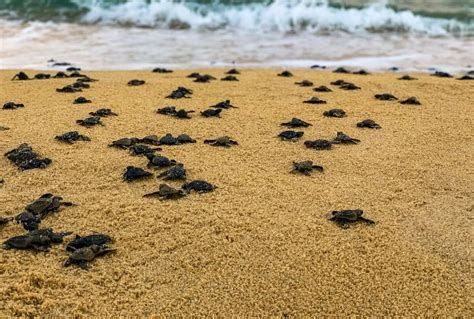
column 261, row 244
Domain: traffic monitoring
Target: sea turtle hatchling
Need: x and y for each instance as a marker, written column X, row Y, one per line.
column 86, row 241
column 465, row 77
column 304, row 83
column 296, row 122
column 305, row 167
column 150, row 139
column 125, row 142
column 5, row 220
column 223, row 141
column 42, row 76
column 167, row 110
column 103, row 113
column 344, row 217
column 47, row 203
column 25, row 158
column 349, row 86
column 193, row 75
column 411, row 101
column 290, row 135
column 176, row 172
column 90, row 121
column 68, row 89
column 179, row 93
column 135, row 82
column 385, row 97
column 211, row 113
column 442, row 74
column 28, row 220
column 341, row 70
column 12, row 105
column 183, row 114
column 60, row 75
column 40, row 239
column 83, row 256
column 159, row 161
column 199, row 186
column 205, row 78
column 224, row 105
column 285, row 74
column 133, row 173
column 319, row 144
column 161, row 70
column 229, row 78
column 21, row 76
column 168, row 139
column 71, row 137
column 233, row 71
column 322, row 88
column 335, row 113
column 142, row 149
column 167, row 192
column 342, row 138
column 368, row 123
column 407, row 78
column 185, row 139
column 314, row 100
column 81, row 100
column 361, row 72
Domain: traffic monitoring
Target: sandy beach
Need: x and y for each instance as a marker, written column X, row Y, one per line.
column 261, row 244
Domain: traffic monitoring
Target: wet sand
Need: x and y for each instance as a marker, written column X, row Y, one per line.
column 261, row 244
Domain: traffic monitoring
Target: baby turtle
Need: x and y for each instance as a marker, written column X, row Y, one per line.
column 411, row 100
column 285, row 74
column 296, row 122
column 349, row 86
column 465, row 77
column 167, row 110
column 361, row 72
column 87, row 241
column 71, row 137
column 12, row 106
column 224, row 141
column 229, row 78
column 314, row 100
column 335, row 113
column 180, row 92
column 167, row 192
column 385, row 97
column 193, row 75
column 168, row 139
column 81, row 100
column 339, row 82
column 224, row 105
column 185, row 139
column 28, row 220
column 317, row 66
column 161, row 70
column 319, row 144
column 60, row 75
column 344, row 217
column 135, row 82
column 68, row 89
column 305, row 167
column 212, row 113
column 174, row 173
column 24, row 157
column 90, row 121
column 83, row 256
column 103, row 113
column 304, row 83
column 80, row 85
column 42, row 76
column 124, row 142
column 342, row 138
column 150, row 139
column 290, row 135
column 73, row 69
column 183, row 114
column 45, row 204
column 341, row 70
column 206, row 78
column 40, row 239
column 368, row 124
column 133, row 173
column 158, row 161
column 22, row 76
column 142, row 149
column 233, row 71
column 441, row 74
column 407, row 78
column 322, row 88
column 5, row 220
column 199, row 186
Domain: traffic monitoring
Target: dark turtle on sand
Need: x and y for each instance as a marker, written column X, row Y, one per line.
column 385, row 97
column 317, row 66
column 465, row 77
column 407, row 78
column 193, row 75
column 90, row 121
column 86, row 241
column 85, row 78
column 4, row 128
column 71, row 137
column 441, row 74
column 233, row 71
column 25, row 158
column 304, row 83
column 296, row 122
column 167, row 110
column 199, row 186
column 73, row 69
column 212, row 113
column 60, row 75
column 305, row 167
column 322, row 88
column 161, row 70
column 81, row 100
column 224, row 141
column 135, row 82
column 124, row 142
column 40, row 239
column 319, row 144
column 83, row 256
column 180, row 92
column 229, row 78
column 339, row 82
column 224, row 105
column 12, row 105
column 167, row 192
column 290, row 135
column 133, row 173
column 174, row 173
column 56, row 238
column 5, row 220
column 80, row 85
column 368, row 124
column 142, row 149
column 183, row 114
column 206, row 78
column 344, row 217
column 349, row 86
column 342, row 138
column 185, row 139
column 42, row 76
column 45, row 204
column 341, row 70
column 285, row 74
column 361, row 72
column 158, row 161
column 411, row 101
column 314, row 100
column 103, row 113
column 22, row 76
column 168, row 139
column 150, row 139
column 68, row 89
column 335, row 113
column 28, row 220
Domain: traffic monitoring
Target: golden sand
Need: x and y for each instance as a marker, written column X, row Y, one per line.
column 261, row 244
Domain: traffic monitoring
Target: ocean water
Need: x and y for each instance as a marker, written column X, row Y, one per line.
column 136, row 34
